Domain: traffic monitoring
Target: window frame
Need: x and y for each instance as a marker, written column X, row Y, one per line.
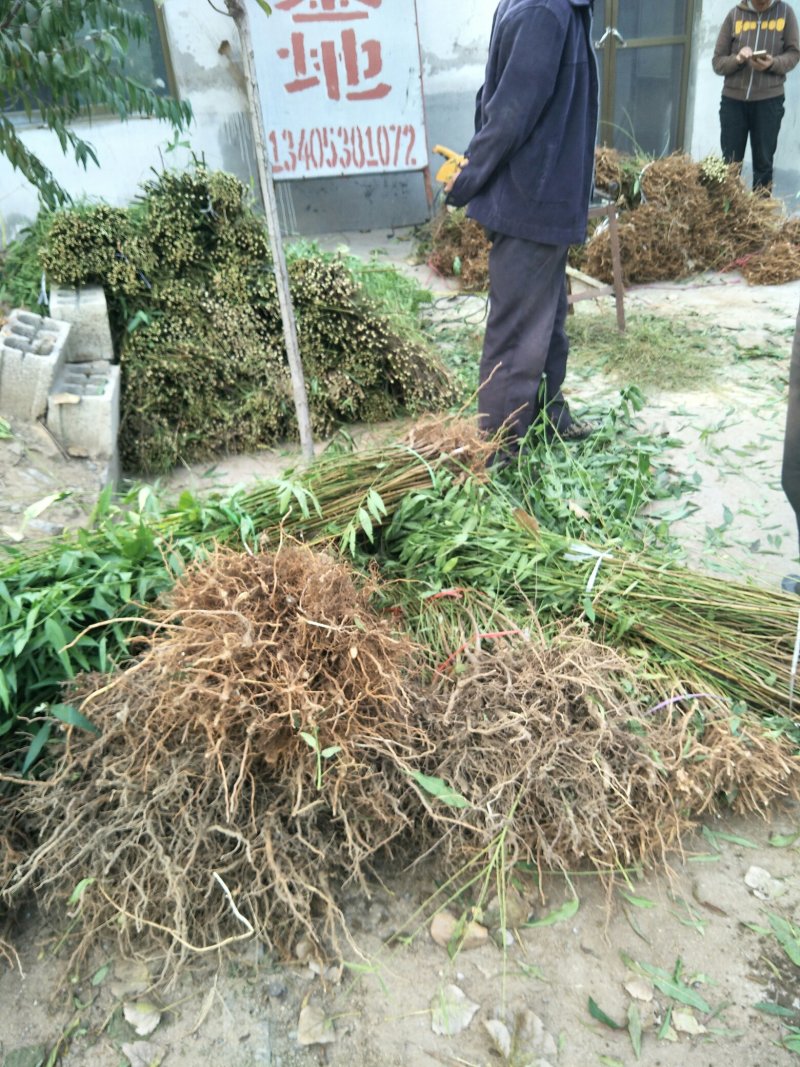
column 19, row 118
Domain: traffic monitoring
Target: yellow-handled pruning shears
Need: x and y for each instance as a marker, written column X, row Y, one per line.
column 453, row 162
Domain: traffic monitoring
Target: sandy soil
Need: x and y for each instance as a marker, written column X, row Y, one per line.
column 701, row 915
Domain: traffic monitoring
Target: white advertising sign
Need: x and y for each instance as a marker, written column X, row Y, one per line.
column 341, row 86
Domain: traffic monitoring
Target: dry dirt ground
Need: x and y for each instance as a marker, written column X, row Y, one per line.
column 701, row 917
column 701, row 920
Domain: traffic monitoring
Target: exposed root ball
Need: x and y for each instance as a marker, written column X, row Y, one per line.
column 201, row 765
column 779, row 262
column 689, row 217
column 466, row 447
column 547, row 740
column 460, row 248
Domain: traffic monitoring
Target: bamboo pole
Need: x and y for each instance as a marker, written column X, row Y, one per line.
column 238, row 12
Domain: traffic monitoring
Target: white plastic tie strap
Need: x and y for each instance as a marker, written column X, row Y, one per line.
column 581, row 553
column 795, row 657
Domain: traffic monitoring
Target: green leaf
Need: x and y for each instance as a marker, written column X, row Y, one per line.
column 55, row 635
column 366, row 524
column 264, row 6
column 788, row 936
column 562, row 914
column 310, row 740
column 719, row 835
column 638, row 902
column 438, row 788
column 330, row 751
column 610, row 1061
column 34, row 749
column 597, row 1012
column 99, row 976
column 635, row 1030
column 72, row 717
column 671, row 987
column 33, row 511
column 784, row 840
column 376, row 505
column 664, row 1028
column 775, row 1009
column 80, row 889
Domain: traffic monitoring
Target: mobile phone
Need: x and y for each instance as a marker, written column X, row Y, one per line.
column 759, row 54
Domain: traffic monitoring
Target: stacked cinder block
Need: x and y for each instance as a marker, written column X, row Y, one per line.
column 87, row 312
column 61, row 370
column 32, row 351
column 83, row 408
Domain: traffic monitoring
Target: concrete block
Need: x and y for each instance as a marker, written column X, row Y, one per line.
column 87, row 312
column 83, row 408
column 32, row 351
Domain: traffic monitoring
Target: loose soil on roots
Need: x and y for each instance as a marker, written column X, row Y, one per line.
column 201, row 772
column 548, row 744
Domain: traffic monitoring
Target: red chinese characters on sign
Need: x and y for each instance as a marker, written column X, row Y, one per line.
column 327, row 10
column 332, row 61
column 360, row 64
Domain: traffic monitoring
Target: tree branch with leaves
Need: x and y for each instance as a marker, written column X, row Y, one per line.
column 60, row 61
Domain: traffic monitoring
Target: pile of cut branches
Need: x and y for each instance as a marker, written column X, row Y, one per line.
column 274, row 740
column 682, row 217
column 677, row 217
column 197, row 326
column 51, row 600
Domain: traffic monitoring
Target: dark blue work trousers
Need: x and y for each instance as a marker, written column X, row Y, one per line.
column 526, row 346
column 760, row 120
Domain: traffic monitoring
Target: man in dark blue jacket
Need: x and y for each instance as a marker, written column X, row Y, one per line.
column 528, row 181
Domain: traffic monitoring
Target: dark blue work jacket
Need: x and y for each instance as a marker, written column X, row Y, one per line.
column 531, row 161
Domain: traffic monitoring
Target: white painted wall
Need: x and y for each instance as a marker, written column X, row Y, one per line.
column 128, row 151
column 454, row 36
column 453, row 45
column 703, row 124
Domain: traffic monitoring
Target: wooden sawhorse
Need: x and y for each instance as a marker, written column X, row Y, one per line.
column 609, row 209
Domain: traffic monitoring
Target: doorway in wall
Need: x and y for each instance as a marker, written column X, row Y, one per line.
column 643, row 49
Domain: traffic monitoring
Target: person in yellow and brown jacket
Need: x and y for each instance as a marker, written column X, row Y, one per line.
column 757, row 47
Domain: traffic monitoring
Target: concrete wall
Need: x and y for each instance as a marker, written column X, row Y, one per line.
column 205, row 56
column 706, row 88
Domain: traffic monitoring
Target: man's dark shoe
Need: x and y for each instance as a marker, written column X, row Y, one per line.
column 577, row 431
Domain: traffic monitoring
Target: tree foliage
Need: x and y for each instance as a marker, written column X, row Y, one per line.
column 60, row 60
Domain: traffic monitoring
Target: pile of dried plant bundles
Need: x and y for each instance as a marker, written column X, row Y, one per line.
column 196, row 322
column 246, row 765
column 680, row 217
column 677, row 217
column 778, row 261
column 550, row 744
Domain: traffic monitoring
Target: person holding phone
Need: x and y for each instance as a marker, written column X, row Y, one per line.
column 528, row 180
column 758, row 45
